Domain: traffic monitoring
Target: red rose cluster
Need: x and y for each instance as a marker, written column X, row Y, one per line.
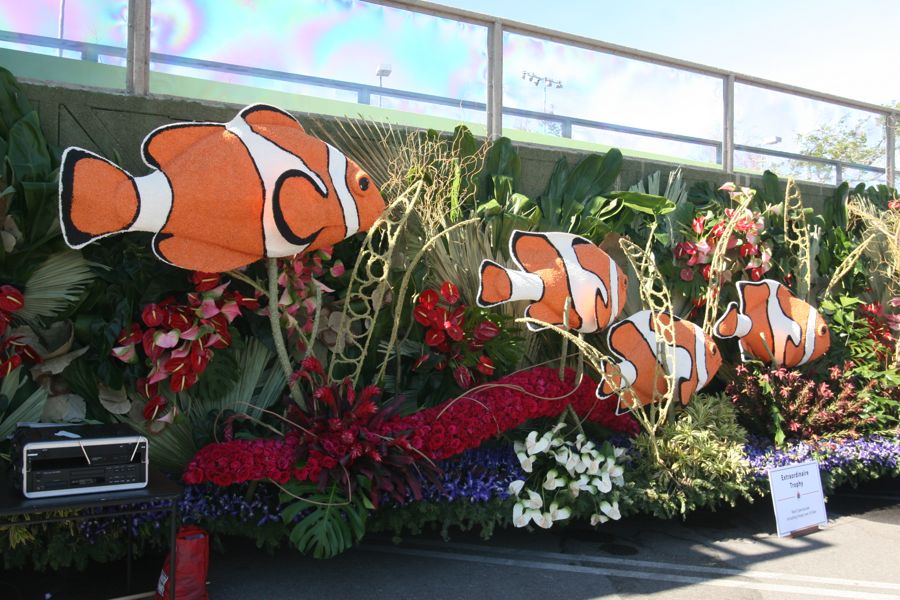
column 440, row 432
column 238, row 461
column 467, row 422
column 179, row 338
column 13, row 351
column 457, row 337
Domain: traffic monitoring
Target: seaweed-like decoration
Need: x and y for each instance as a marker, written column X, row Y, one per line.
column 796, row 237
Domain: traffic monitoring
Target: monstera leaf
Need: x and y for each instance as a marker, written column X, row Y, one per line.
column 326, row 522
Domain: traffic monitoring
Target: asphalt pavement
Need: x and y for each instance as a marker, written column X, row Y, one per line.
column 730, row 554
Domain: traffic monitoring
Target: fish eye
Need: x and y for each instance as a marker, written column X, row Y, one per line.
column 821, row 329
column 714, row 350
column 364, row 183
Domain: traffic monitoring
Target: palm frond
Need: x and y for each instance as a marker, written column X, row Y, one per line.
column 54, row 285
column 257, row 388
column 29, row 410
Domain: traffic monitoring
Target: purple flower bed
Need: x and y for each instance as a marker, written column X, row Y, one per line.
column 841, row 460
column 475, row 476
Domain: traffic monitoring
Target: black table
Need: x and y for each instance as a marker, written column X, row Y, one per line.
column 159, row 489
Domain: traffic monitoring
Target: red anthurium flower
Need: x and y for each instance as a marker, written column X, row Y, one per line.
column 486, row 331
column 450, row 292
column 4, row 322
column 748, row 250
column 127, row 354
column 11, row 299
column 180, row 364
column 485, row 365
column 756, row 273
column 145, row 388
column 704, row 270
column 428, row 299
column 685, row 249
column 420, row 361
column 455, row 333
column 458, row 316
column 177, row 319
column 154, row 407
column 441, row 365
column 152, row 315
column 420, row 314
column 438, row 316
column 10, row 365
column 130, row 336
column 182, row 380
column 204, row 282
column 29, row 353
column 245, row 302
column 463, row 377
column 686, row 274
column 434, row 337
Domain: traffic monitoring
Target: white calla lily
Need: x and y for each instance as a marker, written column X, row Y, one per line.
column 534, row 500
column 598, row 519
column 603, row 483
column 516, row 486
column 553, row 481
column 611, row 510
column 559, row 514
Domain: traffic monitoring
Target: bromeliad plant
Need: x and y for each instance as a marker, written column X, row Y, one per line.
column 566, row 479
column 345, row 462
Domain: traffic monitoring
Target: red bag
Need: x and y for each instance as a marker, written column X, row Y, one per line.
column 192, row 564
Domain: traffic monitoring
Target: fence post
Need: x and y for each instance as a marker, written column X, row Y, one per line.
column 728, row 123
column 890, row 124
column 137, row 56
column 495, row 81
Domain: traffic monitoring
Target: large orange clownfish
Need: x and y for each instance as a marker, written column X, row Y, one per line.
column 222, row 195
column 773, row 325
column 557, row 266
column 693, row 360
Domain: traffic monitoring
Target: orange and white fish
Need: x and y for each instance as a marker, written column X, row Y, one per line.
column 773, row 325
column 222, row 195
column 694, row 360
column 557, row 266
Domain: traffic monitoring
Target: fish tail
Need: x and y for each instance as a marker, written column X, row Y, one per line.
column 495, row 285
column 96, row 198
column 732, row 323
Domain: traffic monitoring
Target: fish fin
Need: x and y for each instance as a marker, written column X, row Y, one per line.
column 199, row 255
column 96, row 198
column 686, row 390
column 494, row 285
column 260, row 115
column 534, row 311
column 733, row 323
column 166, row 144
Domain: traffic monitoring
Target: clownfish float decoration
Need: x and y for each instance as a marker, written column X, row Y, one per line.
column 693, row 360
column 774, row 326
column 222, row 195
column 554, row 267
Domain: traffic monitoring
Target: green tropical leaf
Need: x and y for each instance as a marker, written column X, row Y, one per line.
column 650, row 204
column 55, row 285
column 27, row 153
column 30, row 409
column 333, row 523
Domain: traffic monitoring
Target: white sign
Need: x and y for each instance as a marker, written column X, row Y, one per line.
column 798, row 497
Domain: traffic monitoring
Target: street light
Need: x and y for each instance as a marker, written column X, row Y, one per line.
column 383, row 70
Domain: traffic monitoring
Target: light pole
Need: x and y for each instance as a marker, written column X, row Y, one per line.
column 544, row 80
column 383, row 70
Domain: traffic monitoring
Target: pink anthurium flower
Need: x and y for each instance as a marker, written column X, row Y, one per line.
column 166, row 340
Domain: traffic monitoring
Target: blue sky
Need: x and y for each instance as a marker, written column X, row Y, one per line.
column 836, row 46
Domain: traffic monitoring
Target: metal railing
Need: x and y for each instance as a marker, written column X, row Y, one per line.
column 138, row 58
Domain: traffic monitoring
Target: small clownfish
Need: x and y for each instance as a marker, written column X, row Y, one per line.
column 222, row 195
column 554, row 267
column 694, row 360
column 773, row 325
